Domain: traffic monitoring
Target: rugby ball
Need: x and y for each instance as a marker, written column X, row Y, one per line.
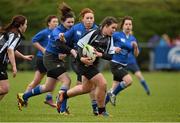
column 89, row 51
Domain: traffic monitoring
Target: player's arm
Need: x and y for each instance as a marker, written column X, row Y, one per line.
column 39, row 47
column 136, row 49
column 66, row 49
column 37, row 38
column 25, row 57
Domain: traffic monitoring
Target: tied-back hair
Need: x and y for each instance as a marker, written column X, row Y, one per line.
column 49, row 18
column 107, row 21
column 84, row 11
column 122, row 20
column 66, row 12
column 14, row 25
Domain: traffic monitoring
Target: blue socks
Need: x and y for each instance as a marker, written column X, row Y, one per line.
column 145, row 86
column 35, row 91
column 64, row 104
column 119, row 88
column 49, row 96
column 94, row 105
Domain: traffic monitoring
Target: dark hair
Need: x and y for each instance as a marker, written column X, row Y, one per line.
column 49, row 18
column 124, row 19
column 66, row 12
column 15, row 23
column 108, row 21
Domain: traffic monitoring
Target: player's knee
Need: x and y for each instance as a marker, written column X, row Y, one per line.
column 129, row 81
column 4, row 89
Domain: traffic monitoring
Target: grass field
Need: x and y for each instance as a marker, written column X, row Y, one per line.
column 133, row 105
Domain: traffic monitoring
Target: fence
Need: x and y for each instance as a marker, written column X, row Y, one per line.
column 150, row 58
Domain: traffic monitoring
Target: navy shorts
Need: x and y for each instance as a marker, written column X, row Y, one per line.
column 132, row 68
column 118, row 71
column 39, row 65
column 3, row 73
column 74, row 65
column 55, row 67
column 88, row 71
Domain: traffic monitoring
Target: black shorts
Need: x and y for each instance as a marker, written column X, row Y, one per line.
column 88, row 71
column 39, row 65
column 74, row 65
column 3, row 73
column 118, row 71
column 54, row 66
column 133, row 68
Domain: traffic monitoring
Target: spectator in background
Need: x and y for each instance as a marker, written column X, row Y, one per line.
column 153, row 41
column 165, row 40
column 176, row 40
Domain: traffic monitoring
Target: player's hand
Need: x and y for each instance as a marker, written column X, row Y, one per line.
column 98, row 54
column 61, row 37
column 74, row 53
column 61, row 56
column 117, row 49
column 28, row 57
column 14, row 71
column 87, row 61
column 134, row 44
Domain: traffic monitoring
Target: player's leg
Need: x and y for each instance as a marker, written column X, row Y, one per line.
column 79, row 81
column 47, row 87
column 66, row 81
column 142, row 81
column 4, row 82
column 4, row 88
column 36, row 81
column 121, row 80
column 101, row 86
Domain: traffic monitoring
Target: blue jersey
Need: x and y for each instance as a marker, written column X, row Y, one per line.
column 131, row 58
column 42, row 38
column 52, row 44
column 124, row 42
column 76, row 32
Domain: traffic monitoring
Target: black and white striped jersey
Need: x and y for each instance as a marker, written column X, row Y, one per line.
column 103, row 44
column 10, row 41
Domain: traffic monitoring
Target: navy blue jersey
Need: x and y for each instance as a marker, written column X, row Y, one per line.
column 131, row 59
column 76, row 32
column 42, row 38
column 124, row 42
column 52, row 46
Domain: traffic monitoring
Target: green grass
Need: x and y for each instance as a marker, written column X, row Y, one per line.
column 132, row 104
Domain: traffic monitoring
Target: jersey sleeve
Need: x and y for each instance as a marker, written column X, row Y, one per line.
column 38, row 37
column 111, row 49
column 85, row 40
column 12, row 41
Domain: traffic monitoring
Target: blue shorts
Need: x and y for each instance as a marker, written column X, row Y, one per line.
column 133, row 68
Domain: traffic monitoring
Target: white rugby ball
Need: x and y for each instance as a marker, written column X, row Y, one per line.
column 89, row 51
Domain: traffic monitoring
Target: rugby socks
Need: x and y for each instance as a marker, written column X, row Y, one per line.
column 48, row 97
column 35, row 91
column 121, row 86
column 145, row 86
column 64, row 103
column 101, row 110
column 94, row 105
